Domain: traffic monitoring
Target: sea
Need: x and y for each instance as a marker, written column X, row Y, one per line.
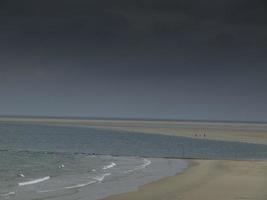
column 39, row 161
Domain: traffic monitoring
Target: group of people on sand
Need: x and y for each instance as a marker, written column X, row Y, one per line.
column 202, row 133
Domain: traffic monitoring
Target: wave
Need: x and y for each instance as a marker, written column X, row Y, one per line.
column 21, row 175
column 34, row 181
column 80, row 185
column 111, row 165
column 61, row 166
column 68, row 187
column 143, row 166
column 101, row 177
column 46, row 191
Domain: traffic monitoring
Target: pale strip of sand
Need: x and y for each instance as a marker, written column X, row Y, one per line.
column 246, row 132
column 208, row 180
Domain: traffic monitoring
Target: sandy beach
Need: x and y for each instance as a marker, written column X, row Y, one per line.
column 209, row 180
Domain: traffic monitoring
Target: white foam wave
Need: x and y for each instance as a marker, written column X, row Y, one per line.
column 111, row 165
column 21, row 175
column 143, row 166
column 96, row 179
column 45, row 191
column 101, row 177
column 61, row 166
column 81, row 185
column 68, row 187
column 146, row 163
column 34, row 181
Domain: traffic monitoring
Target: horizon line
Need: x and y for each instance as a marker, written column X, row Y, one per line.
column 133, row 119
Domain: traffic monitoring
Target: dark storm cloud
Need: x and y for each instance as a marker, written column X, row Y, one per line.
column 129, row 18
column 147, row 58
column 168, row 28
column 128, row 24
column 119, row 26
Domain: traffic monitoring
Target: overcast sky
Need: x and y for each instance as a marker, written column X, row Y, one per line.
column 178, row 59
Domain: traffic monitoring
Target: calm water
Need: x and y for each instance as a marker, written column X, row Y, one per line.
column 28, row 137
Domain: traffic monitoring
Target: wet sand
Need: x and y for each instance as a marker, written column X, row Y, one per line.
column 209, row 180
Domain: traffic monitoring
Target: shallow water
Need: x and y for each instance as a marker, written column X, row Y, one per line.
column 47, row 138
column 38, row 175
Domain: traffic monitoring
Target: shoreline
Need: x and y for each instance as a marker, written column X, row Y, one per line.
column 115, row 177
column 209, row 180
column 131, row 194
column 132, row 181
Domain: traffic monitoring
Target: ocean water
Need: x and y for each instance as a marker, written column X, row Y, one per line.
column 54, row 162
column 72, row 162
column 38, row 175
column 85, row 140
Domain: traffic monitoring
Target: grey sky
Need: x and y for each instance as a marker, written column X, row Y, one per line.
column 136, row 59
